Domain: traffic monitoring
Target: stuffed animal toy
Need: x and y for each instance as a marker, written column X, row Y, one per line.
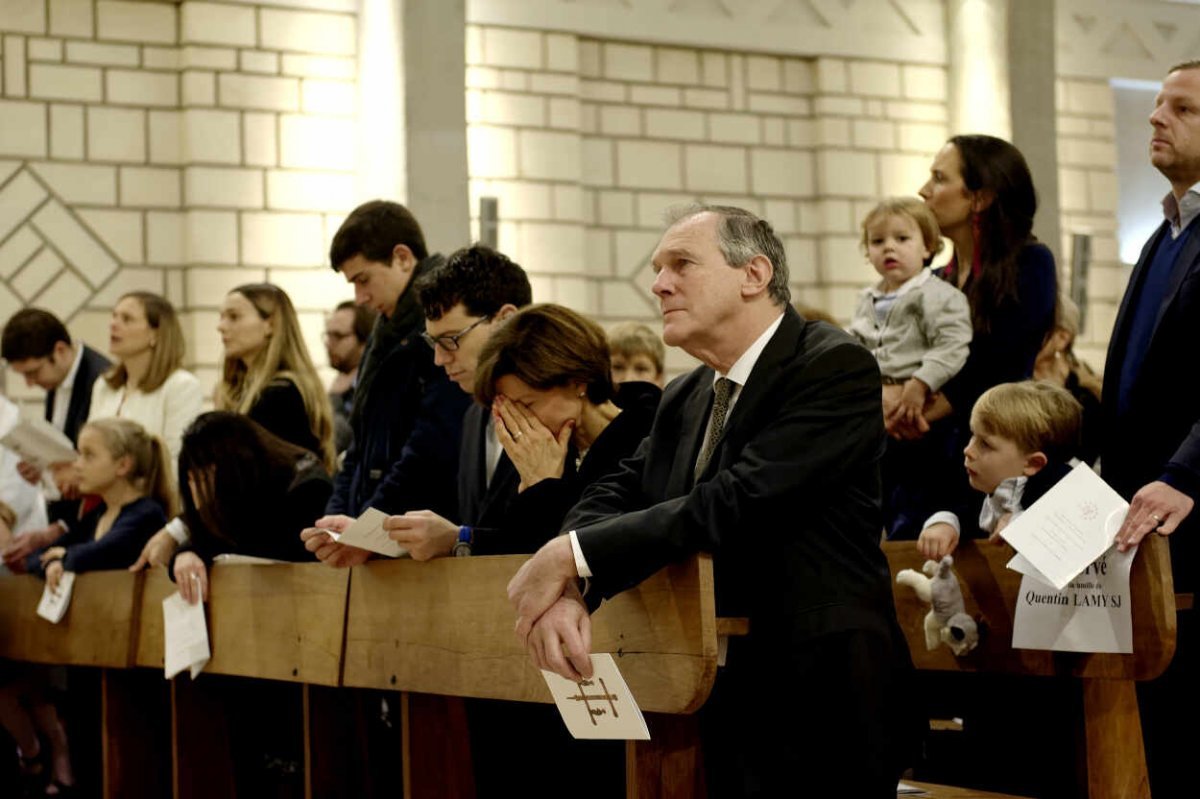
column 947, row 621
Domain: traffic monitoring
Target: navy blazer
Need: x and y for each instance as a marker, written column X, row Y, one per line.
column 789, row 504
column 480, row 503
column 91, row 367
column 1158, row 437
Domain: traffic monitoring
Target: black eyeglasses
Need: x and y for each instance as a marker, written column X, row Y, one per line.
column 449, row 341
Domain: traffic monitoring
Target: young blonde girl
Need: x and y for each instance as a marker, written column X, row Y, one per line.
column 127, row 469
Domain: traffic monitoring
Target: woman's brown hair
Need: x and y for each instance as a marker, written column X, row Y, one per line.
column 169, row 346
column 546, row 346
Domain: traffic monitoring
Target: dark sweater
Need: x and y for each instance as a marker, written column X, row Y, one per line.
column 280, row 409
column 116, row 549
column 1006, row 352
column 286, row 510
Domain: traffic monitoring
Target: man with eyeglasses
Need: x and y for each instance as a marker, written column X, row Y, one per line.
column 407, row 417
column 347, row 331
column 464, row 300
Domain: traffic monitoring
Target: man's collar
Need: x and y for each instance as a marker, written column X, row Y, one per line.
column 739, row 373
column 69, row 381
column 1179, row 214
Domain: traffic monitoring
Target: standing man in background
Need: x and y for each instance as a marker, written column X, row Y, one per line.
column 346, row 333
column 1151, row 413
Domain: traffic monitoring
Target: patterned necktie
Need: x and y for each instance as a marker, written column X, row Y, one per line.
column 723, row 389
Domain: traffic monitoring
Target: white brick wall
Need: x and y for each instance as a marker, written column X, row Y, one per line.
column 1088, row 202
column 662, row 126
column 153, row 142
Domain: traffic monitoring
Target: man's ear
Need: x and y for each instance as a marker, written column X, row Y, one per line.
column 506, row 310
column 758, row 273
column 1034, row 463
column 403, row 257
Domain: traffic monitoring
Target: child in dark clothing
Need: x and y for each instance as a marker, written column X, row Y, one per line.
column 127, row 468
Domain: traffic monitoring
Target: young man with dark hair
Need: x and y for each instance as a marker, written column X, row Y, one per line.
column 37, row 346
column 407, row 417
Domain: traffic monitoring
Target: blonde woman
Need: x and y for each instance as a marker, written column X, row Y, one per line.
column 268, row 374
column 148, row 384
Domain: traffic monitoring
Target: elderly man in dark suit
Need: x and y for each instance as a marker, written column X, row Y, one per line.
column 766, row 456
column 37, row 346
column 1151, row 407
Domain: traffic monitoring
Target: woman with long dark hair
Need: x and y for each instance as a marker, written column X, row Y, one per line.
column 244, row 491
column 981, row 191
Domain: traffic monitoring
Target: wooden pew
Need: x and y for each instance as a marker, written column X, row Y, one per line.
column 1113, row 756
column 443, row 629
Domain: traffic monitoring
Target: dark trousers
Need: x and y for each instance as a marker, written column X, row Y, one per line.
column 507, row 737
column 1170, row 707
column 832, row 717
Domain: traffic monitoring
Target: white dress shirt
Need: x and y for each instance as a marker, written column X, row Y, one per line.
column 64, row 392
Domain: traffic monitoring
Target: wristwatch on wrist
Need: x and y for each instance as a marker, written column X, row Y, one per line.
column 462, row 547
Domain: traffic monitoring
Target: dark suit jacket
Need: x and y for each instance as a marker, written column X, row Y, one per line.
column 789, row 504
column 481, row 504
column 1158, row 437
column 91, row 367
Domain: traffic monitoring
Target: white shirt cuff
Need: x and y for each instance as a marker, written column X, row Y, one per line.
column 943, row 517
column 178, row 530
column 580, row 563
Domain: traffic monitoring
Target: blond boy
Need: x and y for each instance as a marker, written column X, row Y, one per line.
column 637, row 354
column 1023, row 436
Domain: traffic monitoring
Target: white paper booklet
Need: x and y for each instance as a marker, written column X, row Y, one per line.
column 367, row 533
column 38, row 441
column 599, row 708
column 1091, row 614
column 1069, row 528
column 54, row 604
column 185, row 636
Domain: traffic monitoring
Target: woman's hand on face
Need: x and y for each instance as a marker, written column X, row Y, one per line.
column 534, row 450
column 191, row 577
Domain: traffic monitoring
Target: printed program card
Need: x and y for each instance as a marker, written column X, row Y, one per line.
column 185, row 636
column 601, row 707
column 1069, row 528
column 1092, row 614
column 54, row 604
column 38, row 441
column 367, row 533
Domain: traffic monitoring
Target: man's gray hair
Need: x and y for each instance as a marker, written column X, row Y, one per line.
column 741, row 235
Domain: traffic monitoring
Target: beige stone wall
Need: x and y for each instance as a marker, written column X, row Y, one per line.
column 180, row 148
column 1087, row 181
column 587, row 142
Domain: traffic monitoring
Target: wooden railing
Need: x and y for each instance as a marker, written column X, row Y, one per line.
column 444, row 629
